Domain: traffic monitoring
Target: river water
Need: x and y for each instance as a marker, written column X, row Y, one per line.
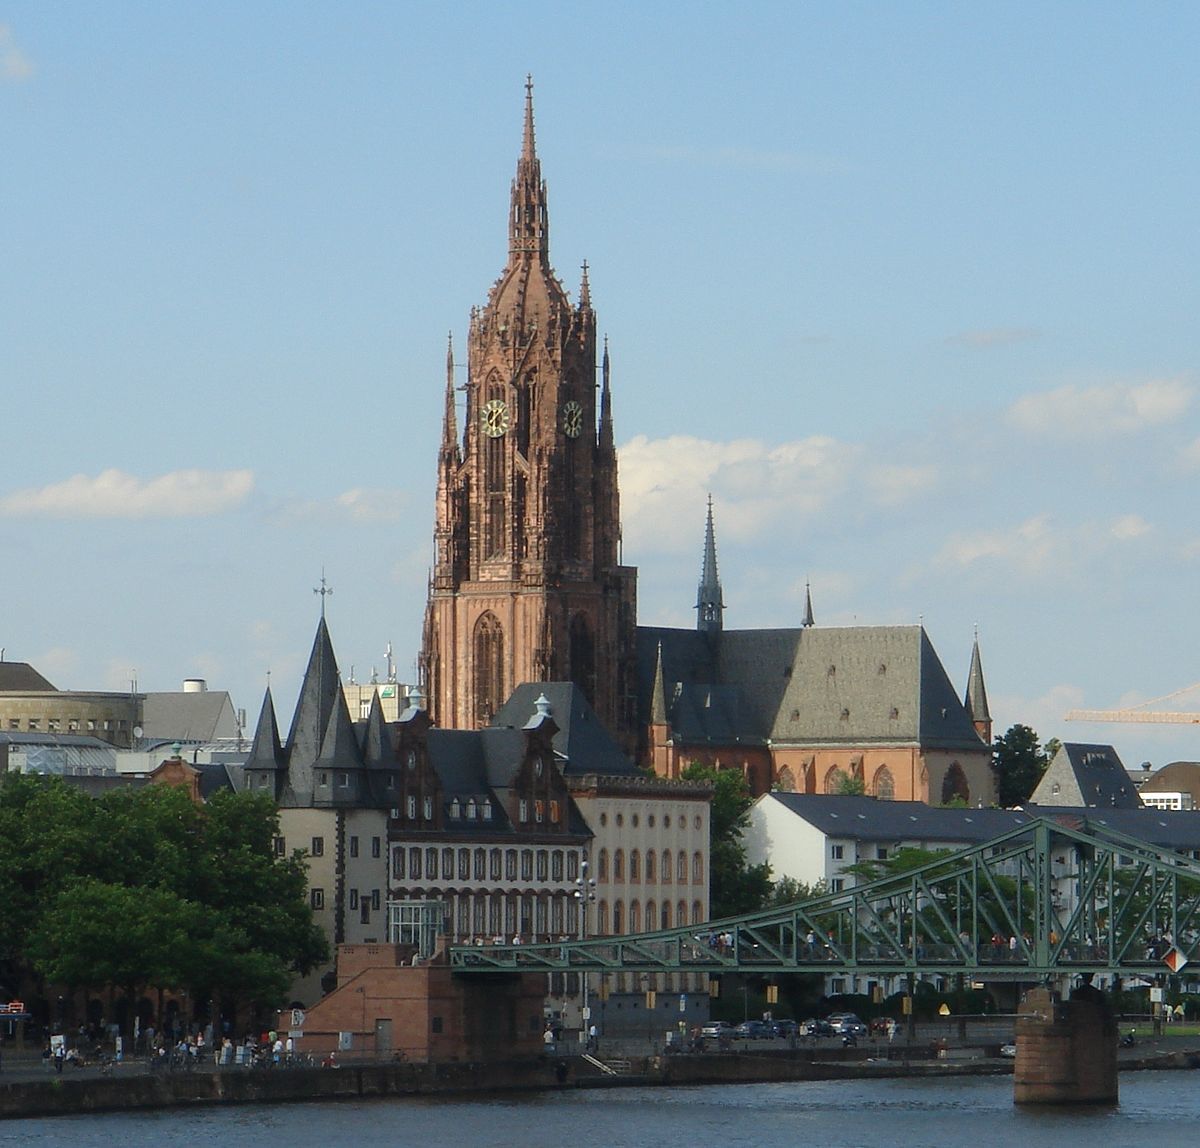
column 1157, row 1110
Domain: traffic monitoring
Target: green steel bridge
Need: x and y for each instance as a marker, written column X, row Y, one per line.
column 1043, row 900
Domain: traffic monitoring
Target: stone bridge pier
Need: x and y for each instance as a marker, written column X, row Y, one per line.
column 1066, row 1050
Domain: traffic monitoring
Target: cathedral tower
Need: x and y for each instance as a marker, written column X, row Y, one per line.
column 527, row 583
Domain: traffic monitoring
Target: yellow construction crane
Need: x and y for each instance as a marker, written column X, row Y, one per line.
column 1140, row 712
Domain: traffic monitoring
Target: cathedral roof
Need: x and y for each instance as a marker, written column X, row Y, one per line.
column 807, row 685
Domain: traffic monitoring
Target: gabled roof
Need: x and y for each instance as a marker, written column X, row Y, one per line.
column 1086, row 775
column 21, row 677
column 808, row 685
column 188, row 717
column 582, row 741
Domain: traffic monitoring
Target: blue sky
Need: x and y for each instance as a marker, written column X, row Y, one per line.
column 910, row 288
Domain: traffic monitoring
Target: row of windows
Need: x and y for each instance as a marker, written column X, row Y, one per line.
column 429, row 863
column 471, row 809
column 73, row 725
column 655, row 864
column 317, row 847
column 376, row 847
column 532, row 917
column 680, row 820
column 364, row 901
column 540, row 811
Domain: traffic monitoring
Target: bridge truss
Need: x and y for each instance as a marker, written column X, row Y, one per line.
column 1041, row 900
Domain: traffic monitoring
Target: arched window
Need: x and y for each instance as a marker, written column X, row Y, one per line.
column 635, row 865
column 651, row 866
column 666, row 867
column 619, row 865
column 835, row 780
column 884, row 784
column 665, row 914
column 635, row 917
column 697, row 868
column 697, row 912
column 681, row 913
column 618, row 916
column 681, row 867
column 954, row 785
column 488, row 652
column 786, row 781
column 602, row 918
column 602, row 866
column 651, row 917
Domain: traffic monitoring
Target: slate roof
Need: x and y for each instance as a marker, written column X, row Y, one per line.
column 21, row 677
column 1082, row 774
column 868, row 819
column 582, row 741
column 196, row 718
column 855, row 685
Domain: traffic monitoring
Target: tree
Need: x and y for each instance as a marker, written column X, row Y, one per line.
column 734, row 887
column 788, row 890
column 849, row 786
column 1019, row 763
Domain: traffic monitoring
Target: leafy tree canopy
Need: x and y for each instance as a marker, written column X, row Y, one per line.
column 1019, row 762
column 142, row 888
column 734, row 887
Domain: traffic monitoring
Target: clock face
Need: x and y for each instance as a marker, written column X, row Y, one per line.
column 572, row 422
column 495, row 418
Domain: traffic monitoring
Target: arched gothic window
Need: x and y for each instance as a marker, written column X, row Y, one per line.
column 489, row 667
column 884, row 784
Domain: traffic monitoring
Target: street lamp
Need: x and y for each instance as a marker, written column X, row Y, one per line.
column 585, row 891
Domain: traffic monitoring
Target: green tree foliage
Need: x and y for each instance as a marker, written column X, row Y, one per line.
column 144, row 889
column 849, row 786
column 787, row 891
column 734, row 887
column 1019, row 762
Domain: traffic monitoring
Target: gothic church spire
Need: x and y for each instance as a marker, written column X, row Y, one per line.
column 709, row 603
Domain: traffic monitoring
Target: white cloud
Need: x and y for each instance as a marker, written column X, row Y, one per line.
column 115, row 494
column 756, row 487
column 1038, row 546
column 1089, row 412
column 15, row 66
column 360, row 504
column 984, row 340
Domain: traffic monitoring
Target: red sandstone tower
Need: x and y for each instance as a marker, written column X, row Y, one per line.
column 527, row 583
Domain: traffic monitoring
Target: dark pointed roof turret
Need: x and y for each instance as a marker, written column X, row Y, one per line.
column 710, row 605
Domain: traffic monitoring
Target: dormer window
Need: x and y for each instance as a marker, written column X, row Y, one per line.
column 411, row 807
column 323, row 780
column 486, row 810
column 523, row 811
column 455, row 809
column 472, row 809
column 427, row 809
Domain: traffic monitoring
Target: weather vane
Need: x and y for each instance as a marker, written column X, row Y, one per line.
column 323, row 590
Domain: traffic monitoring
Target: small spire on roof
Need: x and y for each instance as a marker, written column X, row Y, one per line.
column 585, row 290
column 807, row 620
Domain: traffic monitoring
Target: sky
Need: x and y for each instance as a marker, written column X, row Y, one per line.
column 910, row 289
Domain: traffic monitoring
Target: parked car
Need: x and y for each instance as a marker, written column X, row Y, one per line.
column 717, row 1028
column 784, row 1028
column 753, row 1030
column 816, row 1028
column 847, row 1024
column 1009, row 1050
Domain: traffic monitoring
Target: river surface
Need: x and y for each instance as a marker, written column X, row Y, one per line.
column 1157, row 1110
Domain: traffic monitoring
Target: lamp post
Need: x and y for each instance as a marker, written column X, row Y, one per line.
column 585, row 891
